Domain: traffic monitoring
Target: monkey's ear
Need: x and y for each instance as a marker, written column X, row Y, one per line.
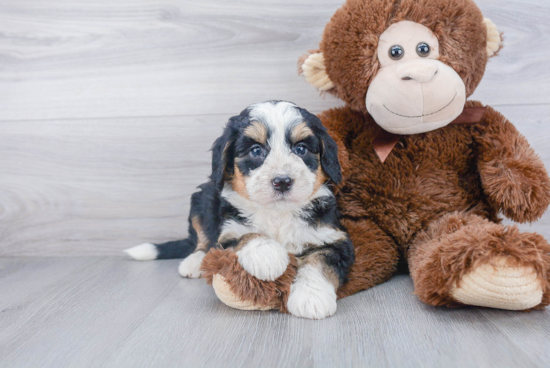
column 494, row 38
column 312, row 66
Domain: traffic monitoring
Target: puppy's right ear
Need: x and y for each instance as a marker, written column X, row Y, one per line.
column 222, row 156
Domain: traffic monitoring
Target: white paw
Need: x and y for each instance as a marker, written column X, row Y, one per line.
column 264, row 258
column 311, row 295
column 190, row 266
column 500, row 285
column 143, row 252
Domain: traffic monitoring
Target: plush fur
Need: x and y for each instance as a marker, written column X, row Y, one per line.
column 460, row 242
column 435, row 202
column 475, row 170
column 225, row 262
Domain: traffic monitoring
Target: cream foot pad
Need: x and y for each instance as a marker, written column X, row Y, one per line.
column 224, row 293
column 500, row 285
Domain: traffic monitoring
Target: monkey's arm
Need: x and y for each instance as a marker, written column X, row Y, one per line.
column 512, row 174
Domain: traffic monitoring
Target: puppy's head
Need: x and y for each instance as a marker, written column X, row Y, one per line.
column 275, row 153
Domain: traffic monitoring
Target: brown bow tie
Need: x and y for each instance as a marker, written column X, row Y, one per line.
column 384, row 142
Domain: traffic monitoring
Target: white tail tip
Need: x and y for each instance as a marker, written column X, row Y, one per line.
column 143, row 252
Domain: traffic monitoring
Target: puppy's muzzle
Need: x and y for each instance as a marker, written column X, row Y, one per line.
column 282, row 183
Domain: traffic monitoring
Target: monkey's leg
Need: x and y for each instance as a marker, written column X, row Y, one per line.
column 463, row 259
column 376, row 256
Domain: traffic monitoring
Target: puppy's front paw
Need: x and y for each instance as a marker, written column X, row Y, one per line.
column 311, row 295
column 263, row 258
column 190, row 266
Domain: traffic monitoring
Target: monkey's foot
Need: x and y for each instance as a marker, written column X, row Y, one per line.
column 231, row 299
column 500, row 285
column 238, row 289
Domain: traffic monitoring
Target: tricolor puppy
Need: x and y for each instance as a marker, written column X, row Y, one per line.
column 269, row 195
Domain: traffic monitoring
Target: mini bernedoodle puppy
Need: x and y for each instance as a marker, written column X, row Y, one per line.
column 271, row 175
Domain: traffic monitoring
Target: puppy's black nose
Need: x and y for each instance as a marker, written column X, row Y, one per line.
column 282, row 183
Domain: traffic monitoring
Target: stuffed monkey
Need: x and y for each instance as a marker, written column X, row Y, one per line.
column 427, row 172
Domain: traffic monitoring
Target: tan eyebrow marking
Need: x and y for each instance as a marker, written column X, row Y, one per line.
column 257, row 131
column 300, row 131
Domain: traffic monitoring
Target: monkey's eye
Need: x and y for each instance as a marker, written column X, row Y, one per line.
column 423, row 49
column 396, row 52
column 256, row 151
column 300, row 150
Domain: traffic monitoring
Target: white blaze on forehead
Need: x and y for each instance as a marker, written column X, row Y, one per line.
column 278, row 117
column 276, row 114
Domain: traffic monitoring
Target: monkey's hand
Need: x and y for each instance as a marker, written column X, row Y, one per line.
column 512, row 174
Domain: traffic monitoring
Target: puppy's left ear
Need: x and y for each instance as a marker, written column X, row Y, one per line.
column 222, row 156
column 329, row 148
column 329, row 157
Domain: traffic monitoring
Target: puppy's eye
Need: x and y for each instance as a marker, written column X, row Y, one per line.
column 423, row 49
column 300, row 150
column 256, row 151
column 396, row 52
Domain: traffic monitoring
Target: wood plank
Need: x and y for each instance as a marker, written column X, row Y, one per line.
column 85, row 314
column 515, row 75
column 66, row 60
column 97, row 186
column 145, row 58
column 24, row 281
column 119, row 313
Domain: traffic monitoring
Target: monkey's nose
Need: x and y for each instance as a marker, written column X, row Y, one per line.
column 282, row 183
column 421, row 71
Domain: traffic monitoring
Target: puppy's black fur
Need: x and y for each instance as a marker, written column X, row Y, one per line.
column 206, row 206
column 210, row 210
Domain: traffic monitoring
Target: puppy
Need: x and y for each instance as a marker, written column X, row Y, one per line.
column 269, row 195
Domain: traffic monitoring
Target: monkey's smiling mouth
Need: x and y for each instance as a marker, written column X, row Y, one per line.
column 420, row 116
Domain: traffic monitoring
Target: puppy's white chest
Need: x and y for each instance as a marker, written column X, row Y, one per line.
column 283, row 227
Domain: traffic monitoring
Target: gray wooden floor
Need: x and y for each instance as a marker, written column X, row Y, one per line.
column 111, row 312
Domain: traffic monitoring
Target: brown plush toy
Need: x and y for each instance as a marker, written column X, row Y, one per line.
column 426, row 172
column 238, row 289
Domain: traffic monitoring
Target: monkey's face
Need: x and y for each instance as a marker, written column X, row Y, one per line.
column 413, row 92
column 410, row 64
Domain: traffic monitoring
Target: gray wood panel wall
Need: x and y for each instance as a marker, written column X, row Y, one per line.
column 108, row 108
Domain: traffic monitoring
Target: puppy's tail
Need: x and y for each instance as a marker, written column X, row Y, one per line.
column 172, row 249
